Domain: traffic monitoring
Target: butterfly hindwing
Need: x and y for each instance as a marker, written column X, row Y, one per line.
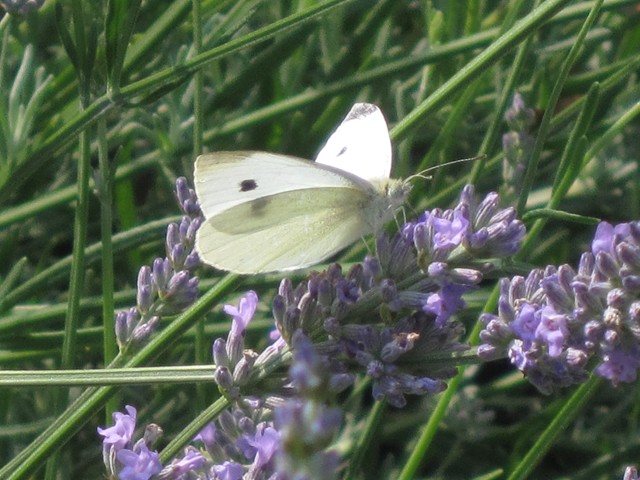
column 283, row 231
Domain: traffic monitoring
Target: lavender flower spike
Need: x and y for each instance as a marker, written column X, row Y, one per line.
column 555, row 321
column 306, row 426
column 167, row 287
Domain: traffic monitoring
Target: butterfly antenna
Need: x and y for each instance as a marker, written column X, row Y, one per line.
column 421, row 174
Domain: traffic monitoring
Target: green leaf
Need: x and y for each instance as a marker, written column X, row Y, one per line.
column 119, row 24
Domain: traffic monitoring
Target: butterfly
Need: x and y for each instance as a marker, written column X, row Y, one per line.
column 267, row 212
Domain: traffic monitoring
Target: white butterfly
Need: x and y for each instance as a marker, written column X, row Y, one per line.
column 267, row 212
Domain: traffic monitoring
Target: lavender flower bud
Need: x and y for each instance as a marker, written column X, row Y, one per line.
column 181, row 467
column 244, row 367
column 142, row 332
column 278, row 309
column 631, row 283
column 187, row 198
column 161, row 273
column 606, row 264
column 181, row 291
column 286, row 291
column 630, row 473
column 220, row 357
column 486, row 210
column 144, row 298
column 125, row 323
column 224, row 379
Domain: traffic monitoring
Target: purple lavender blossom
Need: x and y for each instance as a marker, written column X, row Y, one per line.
column 228, row 471
column 240, row 444
column 123, row 457
column 139, row 463
column 168, row 287
column 242, row 315
column 234, row 363
column 192, row 461
column 266, row 442
column 120, row 434
column 555, row 321
column 363, row 322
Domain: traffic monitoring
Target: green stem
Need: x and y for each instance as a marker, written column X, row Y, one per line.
column 561, row 421
column 201, row 345
column 550, row 107
column 106, row 221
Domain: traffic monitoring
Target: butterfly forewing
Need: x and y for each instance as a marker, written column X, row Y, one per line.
column 360, row 145
column 227, row 179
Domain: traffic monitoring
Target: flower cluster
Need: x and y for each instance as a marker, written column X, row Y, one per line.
column 272, row 437
column 168, row 286
column 240, row 444
column 135, row 461
column 252, row 439
column 390, row 317
column 555, row 323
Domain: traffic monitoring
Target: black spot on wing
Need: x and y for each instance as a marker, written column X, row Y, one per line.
column 248, row 185
column 342, row 151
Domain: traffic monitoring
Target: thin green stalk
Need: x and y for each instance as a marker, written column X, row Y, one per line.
column 491, row 136
column 80, row 224
column 187, row 433
column 364, row 440
column 121, row 242
column 570, row 164
column 110, row 348
column 431, row 428
column 478, row 64
column 447, row 136
column 201, row 344
column 107, row 376
column 607, row 137
column 563, row 419
column 544, row 128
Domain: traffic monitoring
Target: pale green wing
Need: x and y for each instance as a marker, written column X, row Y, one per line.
column 286, row 231
column 226, row 179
